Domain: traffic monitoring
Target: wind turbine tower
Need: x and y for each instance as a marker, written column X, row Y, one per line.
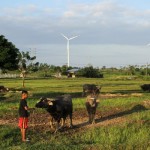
column 68, row 50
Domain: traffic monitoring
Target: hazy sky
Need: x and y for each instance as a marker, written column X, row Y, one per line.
column 111, row 32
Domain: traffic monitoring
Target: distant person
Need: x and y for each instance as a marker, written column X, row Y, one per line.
column 23, row 115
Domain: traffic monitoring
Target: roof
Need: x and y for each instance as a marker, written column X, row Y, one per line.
column 72, row 70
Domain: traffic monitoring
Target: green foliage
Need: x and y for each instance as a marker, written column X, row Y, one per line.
column 90, row 72
column 25, row 64
column 8, row 55
column 25, row 61
column 125, row 137
column 8, row 136
column 130, row 70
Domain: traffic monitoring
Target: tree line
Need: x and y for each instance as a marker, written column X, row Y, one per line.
column 12, row 59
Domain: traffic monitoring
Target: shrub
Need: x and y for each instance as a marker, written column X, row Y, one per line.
column 90, row 72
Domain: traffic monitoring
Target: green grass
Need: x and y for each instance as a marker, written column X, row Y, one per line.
column 133, row 133
column 114, row 137
column 127, row 136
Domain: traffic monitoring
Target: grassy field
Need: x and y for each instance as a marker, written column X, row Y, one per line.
column 122, row 118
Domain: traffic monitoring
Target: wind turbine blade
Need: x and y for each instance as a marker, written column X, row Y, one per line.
column 148, row 44
column 64, row 36
column 73, row 37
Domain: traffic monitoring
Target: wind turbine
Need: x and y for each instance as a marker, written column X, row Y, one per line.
column 68, row 39
column 148, row 44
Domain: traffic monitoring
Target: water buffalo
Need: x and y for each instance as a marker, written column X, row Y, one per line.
column 91, row 105
column 59, row 108
column 90, row 89
column 3, row 89
column 145, row 87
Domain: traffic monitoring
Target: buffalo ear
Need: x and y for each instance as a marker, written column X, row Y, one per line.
column 50, row 103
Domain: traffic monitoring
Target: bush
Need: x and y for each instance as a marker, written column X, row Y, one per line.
column 90, row 72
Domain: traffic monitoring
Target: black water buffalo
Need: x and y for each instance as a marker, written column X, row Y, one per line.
column 90, row 89
column 3, row 89
column 145, row 87
column 59, row 109
column 91, row 105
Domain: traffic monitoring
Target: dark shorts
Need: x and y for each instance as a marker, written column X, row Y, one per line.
column 23, row 123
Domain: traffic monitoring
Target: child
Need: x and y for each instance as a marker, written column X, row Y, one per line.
column 23, row 115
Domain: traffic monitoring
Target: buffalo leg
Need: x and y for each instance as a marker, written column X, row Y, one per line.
column 58, row 127
column 90, row 118
column 51, row 123
column 93, row 119
column 63, row 122
column 71, row 125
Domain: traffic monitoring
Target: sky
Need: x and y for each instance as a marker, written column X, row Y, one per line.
column 111, row 33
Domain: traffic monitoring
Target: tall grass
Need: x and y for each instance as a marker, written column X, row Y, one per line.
column 127, row 136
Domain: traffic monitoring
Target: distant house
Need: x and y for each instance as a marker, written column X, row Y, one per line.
column 72, row 73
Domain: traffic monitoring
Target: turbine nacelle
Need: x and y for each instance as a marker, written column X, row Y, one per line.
column 69, row 38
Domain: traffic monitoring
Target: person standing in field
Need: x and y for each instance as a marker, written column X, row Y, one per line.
column 23, row 115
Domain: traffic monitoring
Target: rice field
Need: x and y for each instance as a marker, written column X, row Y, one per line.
column 122, row 117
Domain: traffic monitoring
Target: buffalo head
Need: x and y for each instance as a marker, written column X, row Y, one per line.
column 44, row 103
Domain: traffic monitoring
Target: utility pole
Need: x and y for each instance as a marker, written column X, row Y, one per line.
column 146, row 69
